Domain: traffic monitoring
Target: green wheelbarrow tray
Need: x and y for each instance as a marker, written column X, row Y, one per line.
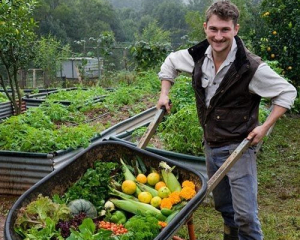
column 61, row 179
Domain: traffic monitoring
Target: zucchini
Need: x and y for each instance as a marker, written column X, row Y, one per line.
column 167, row 212
column 171, row 216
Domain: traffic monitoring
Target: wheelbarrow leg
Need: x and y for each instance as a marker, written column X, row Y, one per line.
column 190, row 226
column 191, row 232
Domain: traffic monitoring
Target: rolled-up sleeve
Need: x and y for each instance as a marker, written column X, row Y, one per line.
column 176, row 62
column 268, row 84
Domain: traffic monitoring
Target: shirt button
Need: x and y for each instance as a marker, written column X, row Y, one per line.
column 218, row 117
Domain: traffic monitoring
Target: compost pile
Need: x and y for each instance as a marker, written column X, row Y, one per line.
column 113, row 200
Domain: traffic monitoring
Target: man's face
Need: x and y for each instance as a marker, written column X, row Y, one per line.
column 220, row 34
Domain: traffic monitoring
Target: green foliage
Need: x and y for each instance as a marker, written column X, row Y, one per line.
column 39, row 217
column 3, row 98
column 195, row 20
column 35, row 131
column 124, row 96
column 16, row 43
column 153, row 33
column 181, row 132
column 79, row 96
column 280, row 40
column 149, row 55
column 143, row 227
column 71, row 20
column 93, row 185
column 48, row 55
column 182, row 93
column 151, row 47
column 87, row 230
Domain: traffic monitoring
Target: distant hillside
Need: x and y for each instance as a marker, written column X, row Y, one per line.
column 134, row 4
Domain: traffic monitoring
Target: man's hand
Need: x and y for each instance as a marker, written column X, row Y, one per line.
column 164, row 96
column 257, row 134
column 164, row 101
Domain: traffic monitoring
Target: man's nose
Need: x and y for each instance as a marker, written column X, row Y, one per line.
column 219, row 35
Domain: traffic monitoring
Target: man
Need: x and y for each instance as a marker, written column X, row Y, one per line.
column 229, row 82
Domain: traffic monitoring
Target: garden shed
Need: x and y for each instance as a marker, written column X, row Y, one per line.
column 73, row 68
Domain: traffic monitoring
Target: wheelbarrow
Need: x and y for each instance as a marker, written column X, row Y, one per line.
column 61, row 179
column 58, row 181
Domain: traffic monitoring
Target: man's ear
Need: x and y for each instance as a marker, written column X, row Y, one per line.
column 237, row 28
column 204, row 26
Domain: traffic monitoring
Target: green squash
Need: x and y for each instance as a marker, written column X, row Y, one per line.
column 81, row 205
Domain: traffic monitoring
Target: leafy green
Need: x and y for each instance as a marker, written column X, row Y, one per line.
column 143, row 227
column 87, row 230
column 93, row 185
column 39, row 218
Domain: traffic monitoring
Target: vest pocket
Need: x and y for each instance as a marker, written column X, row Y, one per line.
column 227, row 115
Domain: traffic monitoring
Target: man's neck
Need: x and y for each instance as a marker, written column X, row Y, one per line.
column 219, row 58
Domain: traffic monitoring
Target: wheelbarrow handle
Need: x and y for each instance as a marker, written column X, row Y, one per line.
column 152, row 127
column 226, row 166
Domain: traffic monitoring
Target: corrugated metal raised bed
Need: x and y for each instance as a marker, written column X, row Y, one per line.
column 7, row 110
column 35, row 100
column 59, row 181
column 20, row 170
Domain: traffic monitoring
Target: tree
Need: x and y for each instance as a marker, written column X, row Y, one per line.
column 152, row 47
column 280, row 40
column 16, row 44
column 49, row 53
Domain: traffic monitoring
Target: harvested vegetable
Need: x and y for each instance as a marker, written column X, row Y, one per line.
column 128, row 175
column 82, row 206
column 118, row 217
column 141, row 178
column 172, row 216
column 169, row 178
column 147, row 188
column 138, row 208
column 143, row 227
column 187, row 193
column 109, row 206
column 38, row 218
column 129, row 187
column 117, row 229
column 153, row 178
column 145, row 197
column 93, row 185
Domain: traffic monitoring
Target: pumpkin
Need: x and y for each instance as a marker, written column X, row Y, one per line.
column 81, row 205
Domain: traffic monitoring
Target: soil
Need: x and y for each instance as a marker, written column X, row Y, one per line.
column 7, row 202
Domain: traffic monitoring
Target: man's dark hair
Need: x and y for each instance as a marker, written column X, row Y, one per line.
column 225, row 10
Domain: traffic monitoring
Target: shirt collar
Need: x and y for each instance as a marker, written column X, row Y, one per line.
column 231, row 56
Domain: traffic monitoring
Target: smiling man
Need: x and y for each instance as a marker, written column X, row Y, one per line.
column 229, row 82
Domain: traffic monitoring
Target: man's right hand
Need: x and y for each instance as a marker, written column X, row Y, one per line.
column 164, row 96
column 164, row 101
